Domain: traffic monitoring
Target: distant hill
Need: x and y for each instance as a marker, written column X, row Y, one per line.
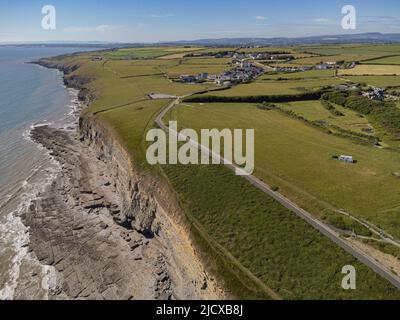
column 329, row 39
column 281, row 41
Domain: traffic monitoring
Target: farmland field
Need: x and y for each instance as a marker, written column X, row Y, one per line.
column 151, row 52
column 334, row 58
column 311, row 74
column 359, row 49
column 238, row 227
column 198, row 65
column 314, row 111
column 377, row 81
column 371, row 70
column 307, row 173
column 395, row 60
column 266, row 87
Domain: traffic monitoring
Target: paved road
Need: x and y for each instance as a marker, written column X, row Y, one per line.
column 317, row 224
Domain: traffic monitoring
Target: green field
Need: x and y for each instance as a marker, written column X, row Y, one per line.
column 297, row 158
column 391, row 60
column 151, row 52
column 269, row 87
column 194, row 66
column 360, row 50
column 334, row 58
column 377, row 70
column 314, row 111
column 376, row 81
column 270, row 242
column 311, row 74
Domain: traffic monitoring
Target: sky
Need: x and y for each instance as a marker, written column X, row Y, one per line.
column 169, row 20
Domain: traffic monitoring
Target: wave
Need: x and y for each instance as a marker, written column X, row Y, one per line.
column 14, row 235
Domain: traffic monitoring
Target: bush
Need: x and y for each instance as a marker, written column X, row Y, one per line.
column 330, row 107
column 315, row 95
column 386, row 114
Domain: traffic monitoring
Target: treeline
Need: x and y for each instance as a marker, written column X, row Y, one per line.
column 331, row 108
column 384, row 113
column 315, row 95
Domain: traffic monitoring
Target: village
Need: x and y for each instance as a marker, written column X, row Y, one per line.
column 244, row 72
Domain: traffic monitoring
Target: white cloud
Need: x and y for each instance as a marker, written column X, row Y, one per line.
column 103, row 28
column 321, row 20
column 154, row 15
column 260, row 18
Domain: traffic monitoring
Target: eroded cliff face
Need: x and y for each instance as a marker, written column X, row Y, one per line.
column 137, row 205
column 144, row 204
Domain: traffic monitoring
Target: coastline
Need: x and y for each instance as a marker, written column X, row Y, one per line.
column 26, row 277
column 137, row 247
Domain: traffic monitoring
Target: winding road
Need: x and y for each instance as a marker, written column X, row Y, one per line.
column 308, row 217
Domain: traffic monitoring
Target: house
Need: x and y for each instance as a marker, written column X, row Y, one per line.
column 375, row 94
column 187, row 78
column 97, row 58
column 202, row 76
column 348, row 159
column 323, row 66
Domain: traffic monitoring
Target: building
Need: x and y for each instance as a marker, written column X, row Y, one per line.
column 348, row 159
column 375, row 94
column 188, row 78
column 97, row 58
column 323, row 66
column 202, row 76
column 345, row 87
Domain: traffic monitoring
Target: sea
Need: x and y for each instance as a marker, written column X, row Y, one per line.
column 30, row 96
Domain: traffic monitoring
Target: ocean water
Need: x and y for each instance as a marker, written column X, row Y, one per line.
column 29, row 95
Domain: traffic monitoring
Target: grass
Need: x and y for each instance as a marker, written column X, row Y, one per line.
column 311, row 74
column 126, row 68
column 297, row 158
column 270, row 242
column 334, row 58
column 377, row 81
column 131, row 123
column 150, row 52
column 391, row 60
column 360, row 70
column 363, row 51
column 314, row 111
column 267, row 87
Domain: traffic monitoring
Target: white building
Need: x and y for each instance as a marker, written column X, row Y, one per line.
column 348, row 159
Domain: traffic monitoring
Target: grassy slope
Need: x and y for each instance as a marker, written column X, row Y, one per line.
column 280, row 249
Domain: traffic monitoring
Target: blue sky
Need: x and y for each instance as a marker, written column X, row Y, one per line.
column 162, row 20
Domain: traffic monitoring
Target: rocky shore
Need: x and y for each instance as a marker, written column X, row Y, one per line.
column 101, row 226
